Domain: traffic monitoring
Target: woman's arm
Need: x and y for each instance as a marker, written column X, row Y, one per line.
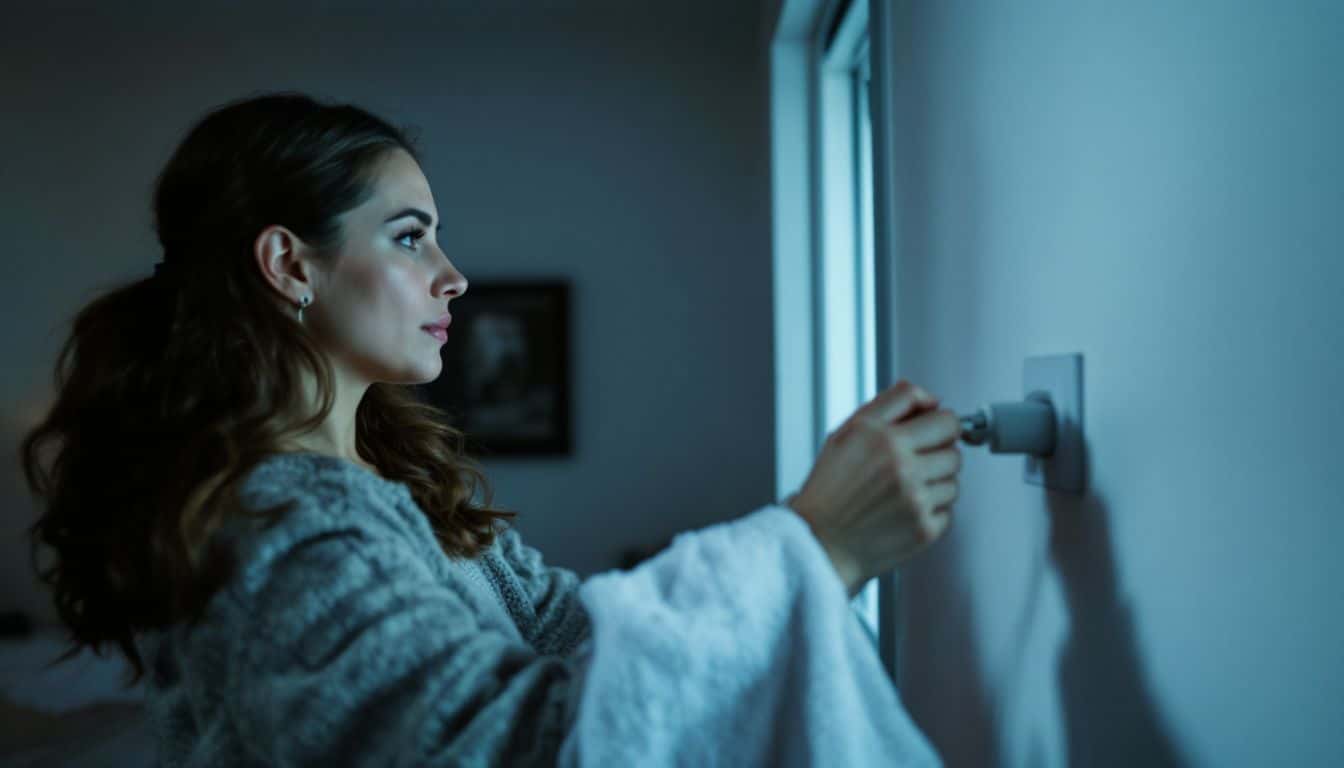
column 562, row 622
column 735, row 646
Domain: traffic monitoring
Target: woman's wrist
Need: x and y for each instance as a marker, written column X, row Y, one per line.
column 846, row 568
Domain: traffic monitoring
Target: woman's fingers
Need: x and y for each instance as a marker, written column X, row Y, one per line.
column 897, row 402
column 930, row 430
column 943, row 495
column 942, row 465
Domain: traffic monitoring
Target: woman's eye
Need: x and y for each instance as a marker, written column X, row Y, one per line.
column 414, row 233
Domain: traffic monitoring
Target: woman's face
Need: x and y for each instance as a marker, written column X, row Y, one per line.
column 389, row 281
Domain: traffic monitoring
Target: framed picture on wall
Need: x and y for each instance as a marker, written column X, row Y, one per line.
column 505, row 380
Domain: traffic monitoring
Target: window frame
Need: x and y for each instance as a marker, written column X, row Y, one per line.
column 832, row 251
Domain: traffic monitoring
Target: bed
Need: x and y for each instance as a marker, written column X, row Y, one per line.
column 76, row 713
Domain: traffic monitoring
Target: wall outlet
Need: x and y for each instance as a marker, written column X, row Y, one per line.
column 1058, row 379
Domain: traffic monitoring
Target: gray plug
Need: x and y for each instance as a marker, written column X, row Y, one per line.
column 1028, row 426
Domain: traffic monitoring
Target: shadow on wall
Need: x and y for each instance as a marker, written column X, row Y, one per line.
column 944, row 692
column 1110, row 715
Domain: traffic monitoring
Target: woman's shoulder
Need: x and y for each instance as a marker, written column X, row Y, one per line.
column 321, row 498
column 305, row 475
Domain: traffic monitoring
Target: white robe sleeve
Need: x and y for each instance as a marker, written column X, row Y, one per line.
column 736, row 646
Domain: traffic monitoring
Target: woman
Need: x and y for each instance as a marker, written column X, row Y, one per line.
column 244, row 496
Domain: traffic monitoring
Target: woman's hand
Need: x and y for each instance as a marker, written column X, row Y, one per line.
column 883, row 487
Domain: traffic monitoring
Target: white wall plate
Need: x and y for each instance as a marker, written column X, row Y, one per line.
column 1060, row 377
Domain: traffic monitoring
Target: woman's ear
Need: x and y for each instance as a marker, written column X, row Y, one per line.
column 280, row 255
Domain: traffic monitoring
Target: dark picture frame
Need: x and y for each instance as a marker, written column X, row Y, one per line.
column 505, row 381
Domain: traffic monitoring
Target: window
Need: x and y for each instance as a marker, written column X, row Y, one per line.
column 845, row 312
column 830, row 352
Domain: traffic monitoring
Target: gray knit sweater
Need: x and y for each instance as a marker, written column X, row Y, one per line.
column 347, row 637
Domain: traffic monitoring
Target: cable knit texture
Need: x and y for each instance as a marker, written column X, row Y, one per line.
column 347, row 637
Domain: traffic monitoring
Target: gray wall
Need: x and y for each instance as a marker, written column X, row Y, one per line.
column 1159, row 186
column 621, row 145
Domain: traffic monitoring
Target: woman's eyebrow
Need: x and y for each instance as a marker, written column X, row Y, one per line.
column 424, row 218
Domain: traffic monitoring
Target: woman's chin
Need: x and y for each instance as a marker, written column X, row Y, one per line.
column 425, row 376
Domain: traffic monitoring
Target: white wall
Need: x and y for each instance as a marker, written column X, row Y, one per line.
column 1159, row 186
column 621, row 145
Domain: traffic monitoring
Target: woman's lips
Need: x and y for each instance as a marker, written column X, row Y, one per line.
column 439, row 328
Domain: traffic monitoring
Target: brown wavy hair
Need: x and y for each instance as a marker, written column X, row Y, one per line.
column 169, row 390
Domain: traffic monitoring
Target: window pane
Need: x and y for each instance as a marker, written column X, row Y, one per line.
column 867, row 352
